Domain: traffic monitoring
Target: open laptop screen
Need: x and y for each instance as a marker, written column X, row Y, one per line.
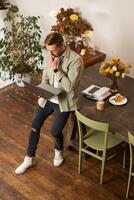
column 47, row 92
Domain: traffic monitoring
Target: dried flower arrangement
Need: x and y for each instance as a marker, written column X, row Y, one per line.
column 71, row 25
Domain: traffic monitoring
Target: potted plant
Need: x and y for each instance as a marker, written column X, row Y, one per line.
column 20, row 48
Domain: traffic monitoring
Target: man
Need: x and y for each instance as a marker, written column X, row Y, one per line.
column 62, row 69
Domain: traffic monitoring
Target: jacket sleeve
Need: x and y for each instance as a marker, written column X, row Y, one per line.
column 45, row 78
column 70, row 80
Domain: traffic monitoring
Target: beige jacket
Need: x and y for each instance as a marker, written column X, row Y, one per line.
column 68, row 77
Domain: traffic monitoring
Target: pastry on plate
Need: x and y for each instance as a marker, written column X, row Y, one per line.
column 119, row 98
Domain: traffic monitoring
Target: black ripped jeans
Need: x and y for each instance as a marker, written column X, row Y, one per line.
column 60, row 119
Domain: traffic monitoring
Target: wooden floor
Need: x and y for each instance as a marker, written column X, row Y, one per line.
column 45, row 182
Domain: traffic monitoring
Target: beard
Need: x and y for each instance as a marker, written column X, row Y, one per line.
column 57, row 55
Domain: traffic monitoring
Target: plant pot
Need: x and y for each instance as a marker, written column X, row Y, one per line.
column 19, row 78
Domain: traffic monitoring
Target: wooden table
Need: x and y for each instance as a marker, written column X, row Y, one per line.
column 120, row 118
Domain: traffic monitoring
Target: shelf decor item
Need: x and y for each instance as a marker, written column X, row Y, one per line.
column 114, row 69
column 4, row 4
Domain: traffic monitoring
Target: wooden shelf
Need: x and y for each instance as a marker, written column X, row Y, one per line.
column 90, row 59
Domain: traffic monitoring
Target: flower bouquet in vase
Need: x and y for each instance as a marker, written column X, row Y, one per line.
column 74, row 29
column 114, row 69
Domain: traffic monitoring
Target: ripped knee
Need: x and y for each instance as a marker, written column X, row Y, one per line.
column 34, row 130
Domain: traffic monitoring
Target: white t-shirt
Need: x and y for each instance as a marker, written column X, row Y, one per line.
column 55, row 99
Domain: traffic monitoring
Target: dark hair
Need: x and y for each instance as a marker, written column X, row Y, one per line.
column 54, row 38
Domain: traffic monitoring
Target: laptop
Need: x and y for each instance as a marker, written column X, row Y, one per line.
column 47, row 92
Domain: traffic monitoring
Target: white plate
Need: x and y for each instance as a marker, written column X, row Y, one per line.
column 112, row 101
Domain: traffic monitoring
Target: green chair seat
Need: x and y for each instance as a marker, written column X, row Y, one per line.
column 96, row 140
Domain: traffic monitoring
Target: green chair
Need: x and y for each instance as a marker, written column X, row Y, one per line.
column 131, row 168
column 96, row 138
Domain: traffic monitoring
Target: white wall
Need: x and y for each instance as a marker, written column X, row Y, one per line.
column 112, row 21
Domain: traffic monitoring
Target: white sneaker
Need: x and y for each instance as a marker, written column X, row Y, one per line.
column 27, row 163
column 58, row 159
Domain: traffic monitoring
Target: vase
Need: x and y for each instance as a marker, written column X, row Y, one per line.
column 113, row 85
column 19, row 78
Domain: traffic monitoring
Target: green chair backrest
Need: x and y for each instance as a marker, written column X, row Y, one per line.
column 91, row 123
column 102, row 127
column 131, row 138
column 131, row 144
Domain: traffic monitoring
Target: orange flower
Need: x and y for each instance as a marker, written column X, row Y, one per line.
column 126, row 70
